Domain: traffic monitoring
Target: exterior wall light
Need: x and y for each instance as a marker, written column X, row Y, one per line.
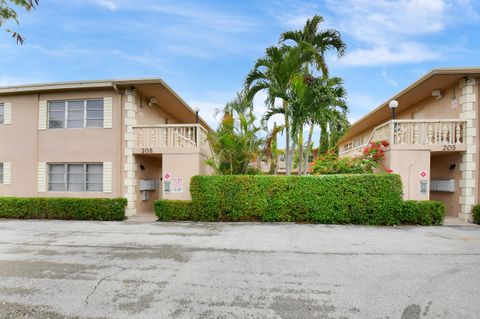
column 196, row 114
column 393, row 104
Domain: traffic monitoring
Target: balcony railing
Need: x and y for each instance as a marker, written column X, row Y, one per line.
column 158, row 138
column 434, row 134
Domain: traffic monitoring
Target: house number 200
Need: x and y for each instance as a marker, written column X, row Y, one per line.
column 147, row 150
column 449, row 147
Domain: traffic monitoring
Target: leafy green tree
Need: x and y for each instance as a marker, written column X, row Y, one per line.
column 274, row 73
column 235, row 143
column 8, row 13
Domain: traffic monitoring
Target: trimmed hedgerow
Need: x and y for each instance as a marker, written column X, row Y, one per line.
column 476, row 214
column 371, row 199
column 428, row 212
column 167, row 210
column 63, row 208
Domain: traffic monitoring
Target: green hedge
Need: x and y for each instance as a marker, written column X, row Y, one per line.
column 333, row 199
column 476, row 214
column 167, row 210
column 63, row 208
column 422, row 212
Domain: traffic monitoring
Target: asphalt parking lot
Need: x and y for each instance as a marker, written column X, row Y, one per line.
column 61, row 269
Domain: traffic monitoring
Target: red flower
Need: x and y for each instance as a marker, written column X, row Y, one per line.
column 389, row 171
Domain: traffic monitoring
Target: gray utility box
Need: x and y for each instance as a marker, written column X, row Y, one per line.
column 447, row 185
column 148, row 185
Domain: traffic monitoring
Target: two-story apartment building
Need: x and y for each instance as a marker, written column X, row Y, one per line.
column 131, row 138
column 433, row 138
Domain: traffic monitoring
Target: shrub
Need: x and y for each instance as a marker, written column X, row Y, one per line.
column 341, row 199
column 63, row 208
column 422, row 212
column 371, row 158
column 167, row 210
column 476, row 214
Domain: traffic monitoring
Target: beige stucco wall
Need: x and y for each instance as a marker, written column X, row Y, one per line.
column 440, row 170
column 152, row 170
column 409, row 163
column 84, row 145
column 154, row 114
column 185, row 166
column 18, row 145
column 24, row 145
column 430, row 108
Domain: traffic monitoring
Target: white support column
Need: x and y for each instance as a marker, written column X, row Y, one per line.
column 130, row 182
column 468, row 102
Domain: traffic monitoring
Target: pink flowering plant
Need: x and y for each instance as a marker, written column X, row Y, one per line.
column 370, row 159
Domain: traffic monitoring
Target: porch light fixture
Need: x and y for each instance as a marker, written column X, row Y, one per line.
column 393, row 104
column 196, row 114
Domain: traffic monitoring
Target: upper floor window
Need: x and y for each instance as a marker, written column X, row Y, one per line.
column 2, row 113
column 75, row 114
column 1, row 173
column 75, row 177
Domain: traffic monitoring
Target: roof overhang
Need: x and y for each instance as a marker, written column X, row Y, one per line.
column 420, row 90
column 147, row 86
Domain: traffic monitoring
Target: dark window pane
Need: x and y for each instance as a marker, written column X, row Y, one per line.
column 56, row 187
column 76, row 187
column 75, row 123
column 57, row 106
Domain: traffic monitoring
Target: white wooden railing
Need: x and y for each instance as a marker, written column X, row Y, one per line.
column 171, row 136
column 416, row 132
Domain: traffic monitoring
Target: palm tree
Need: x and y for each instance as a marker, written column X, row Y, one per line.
column 274, row 73
column 320, row 42
column 318, row 101
column 235, row 143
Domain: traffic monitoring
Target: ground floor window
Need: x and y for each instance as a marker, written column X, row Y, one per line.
column 75, row 177
column 1, row 173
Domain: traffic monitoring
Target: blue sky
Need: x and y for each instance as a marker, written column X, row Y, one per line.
column 204, row 49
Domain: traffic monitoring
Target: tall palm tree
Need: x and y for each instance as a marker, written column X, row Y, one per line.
column 274, row 73
column 319, row 101
column 320, row 42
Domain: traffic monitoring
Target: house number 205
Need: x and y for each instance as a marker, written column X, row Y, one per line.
column 147, row 150
column 449, row 147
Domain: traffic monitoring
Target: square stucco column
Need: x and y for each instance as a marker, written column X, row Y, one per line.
column 130, row 166
column 468, row 183
column 413, row 166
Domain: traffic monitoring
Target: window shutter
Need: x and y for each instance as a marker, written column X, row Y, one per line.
column 42, row 177
column 7, row 173
column 7, row 113
column 107, row 177
column 42, row 115
column 107, row 112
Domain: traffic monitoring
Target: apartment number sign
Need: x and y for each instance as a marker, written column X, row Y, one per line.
column 449, row 147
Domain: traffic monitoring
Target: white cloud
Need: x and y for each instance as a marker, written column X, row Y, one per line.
column 382, row 55
column 389, row 32
column 109, row 4
column 388, row 79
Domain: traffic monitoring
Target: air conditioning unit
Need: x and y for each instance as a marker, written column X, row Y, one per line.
column 148, row 185
column 442, row 185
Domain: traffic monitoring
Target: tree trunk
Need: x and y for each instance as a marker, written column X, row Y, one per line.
column 292, row 155
column 323, row 148
column 287, row 138
column 300, row 152
column 307, row 151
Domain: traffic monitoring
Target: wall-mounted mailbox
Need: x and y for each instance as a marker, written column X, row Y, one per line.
column 148, row 185
column 442, row 185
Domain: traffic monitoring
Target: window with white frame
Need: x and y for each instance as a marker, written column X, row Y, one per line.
column 1, row 173
column 75, row 177
column 2, row 113
column 75, row 113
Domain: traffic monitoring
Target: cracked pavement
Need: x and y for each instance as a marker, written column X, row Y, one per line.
column 78, row 269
